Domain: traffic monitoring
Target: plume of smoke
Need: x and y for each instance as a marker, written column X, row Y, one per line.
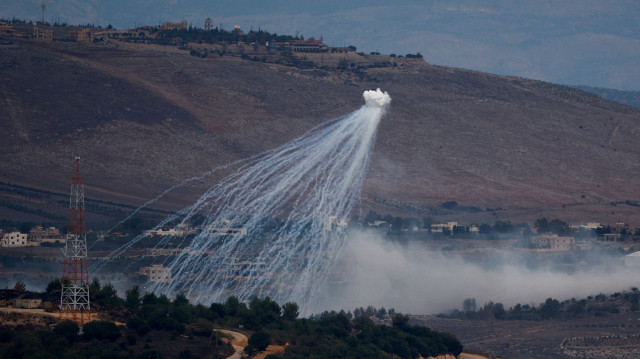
column 283, row 205
column 414, row 279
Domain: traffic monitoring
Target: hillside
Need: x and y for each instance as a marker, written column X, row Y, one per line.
column 631, row 98
column 145, row 117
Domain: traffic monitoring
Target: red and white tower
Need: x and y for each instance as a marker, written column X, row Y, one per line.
column 74, row 300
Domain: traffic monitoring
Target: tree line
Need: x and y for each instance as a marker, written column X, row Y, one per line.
column 592, row 306
column 151, row 319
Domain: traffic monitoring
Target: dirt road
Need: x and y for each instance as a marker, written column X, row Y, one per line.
column 238, row 341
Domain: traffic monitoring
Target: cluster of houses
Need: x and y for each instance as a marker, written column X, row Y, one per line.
column 150, row 34
column 36, row 237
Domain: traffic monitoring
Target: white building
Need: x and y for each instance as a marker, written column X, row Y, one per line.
column 157, row 273
column 438, row 228
column 14, row 239
column 333, row 223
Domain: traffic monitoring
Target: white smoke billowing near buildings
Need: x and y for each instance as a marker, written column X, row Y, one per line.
column 414, row 279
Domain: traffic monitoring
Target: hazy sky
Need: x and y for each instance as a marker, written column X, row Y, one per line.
column 577, row 42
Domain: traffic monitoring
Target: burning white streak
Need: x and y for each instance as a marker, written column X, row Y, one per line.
column 281, row 200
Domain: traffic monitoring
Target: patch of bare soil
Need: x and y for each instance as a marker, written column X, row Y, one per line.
column 612, row 336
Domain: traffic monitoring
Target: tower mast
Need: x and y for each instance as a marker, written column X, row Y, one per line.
column 44, row 7
column 74, row 299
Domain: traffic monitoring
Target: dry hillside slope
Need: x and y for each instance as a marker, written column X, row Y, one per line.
column 144, row 118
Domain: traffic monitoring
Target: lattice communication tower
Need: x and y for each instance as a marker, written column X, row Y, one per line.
column 74, row 300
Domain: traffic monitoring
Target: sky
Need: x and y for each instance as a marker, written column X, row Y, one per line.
column 573, row 42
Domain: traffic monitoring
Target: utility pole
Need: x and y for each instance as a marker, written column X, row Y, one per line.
column 74, row 299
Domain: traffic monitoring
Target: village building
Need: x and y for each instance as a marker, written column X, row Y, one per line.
column 248, row 269
column 5, row 28
column 81, row 35
column 43, row 34
column 333, row 224
column 157, row 273
column 39, row 235
column 14, row 239
column 174, row 25
column 554, row 242
column 300, row 46
column 439, row 228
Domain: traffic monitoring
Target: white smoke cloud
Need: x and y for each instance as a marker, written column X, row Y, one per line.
column 416, row 280
column 377, row 98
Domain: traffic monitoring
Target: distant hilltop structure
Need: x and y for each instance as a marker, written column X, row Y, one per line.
column 208, row 24
column 174, row 25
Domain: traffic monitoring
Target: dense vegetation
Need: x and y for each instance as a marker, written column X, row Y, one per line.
column 592, row 306
column 177, row 327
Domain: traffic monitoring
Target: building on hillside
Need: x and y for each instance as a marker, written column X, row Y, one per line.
column 178, row 231
column 588, row 226
column 43, row 34
column 27, row 301
column 174, row 25
column 224, row 230
column 248, row 269
column 208, row 24
column 14, row 239
column 440, row 227
column 554, row 242
column 5, row 28
column 81, row 35
column 300, row 46
column 333, row 223
column 157, row 273
column 39, row 235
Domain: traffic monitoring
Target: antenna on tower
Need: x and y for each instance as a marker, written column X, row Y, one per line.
column 44, row 7
column 74, row 299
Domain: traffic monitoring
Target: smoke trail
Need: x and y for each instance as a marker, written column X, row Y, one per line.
column 275, row 226
column 170, row 189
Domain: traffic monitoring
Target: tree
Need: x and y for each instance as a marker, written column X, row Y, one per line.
column 101, row 330
column 25, row 227
column 132, row 298
column 469, row 305
column 20, row 286
column 290, row 311
column 542, row 224
column 55, row 286
column 259, row 341
column 449, row 204
column 106, row 297
column 231, row 306
column 484, row 229
column 550, row 309
column 67, row 329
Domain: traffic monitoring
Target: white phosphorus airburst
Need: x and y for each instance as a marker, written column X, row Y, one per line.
column 284, row 211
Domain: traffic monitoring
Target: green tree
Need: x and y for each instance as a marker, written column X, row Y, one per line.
column 290, row 311
column 132, row 298
column 55, row 286
column 106, row 297
column 67, row 329
column 550, row 309
column 20, row 286
column 259, row 341
column 101, row 330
